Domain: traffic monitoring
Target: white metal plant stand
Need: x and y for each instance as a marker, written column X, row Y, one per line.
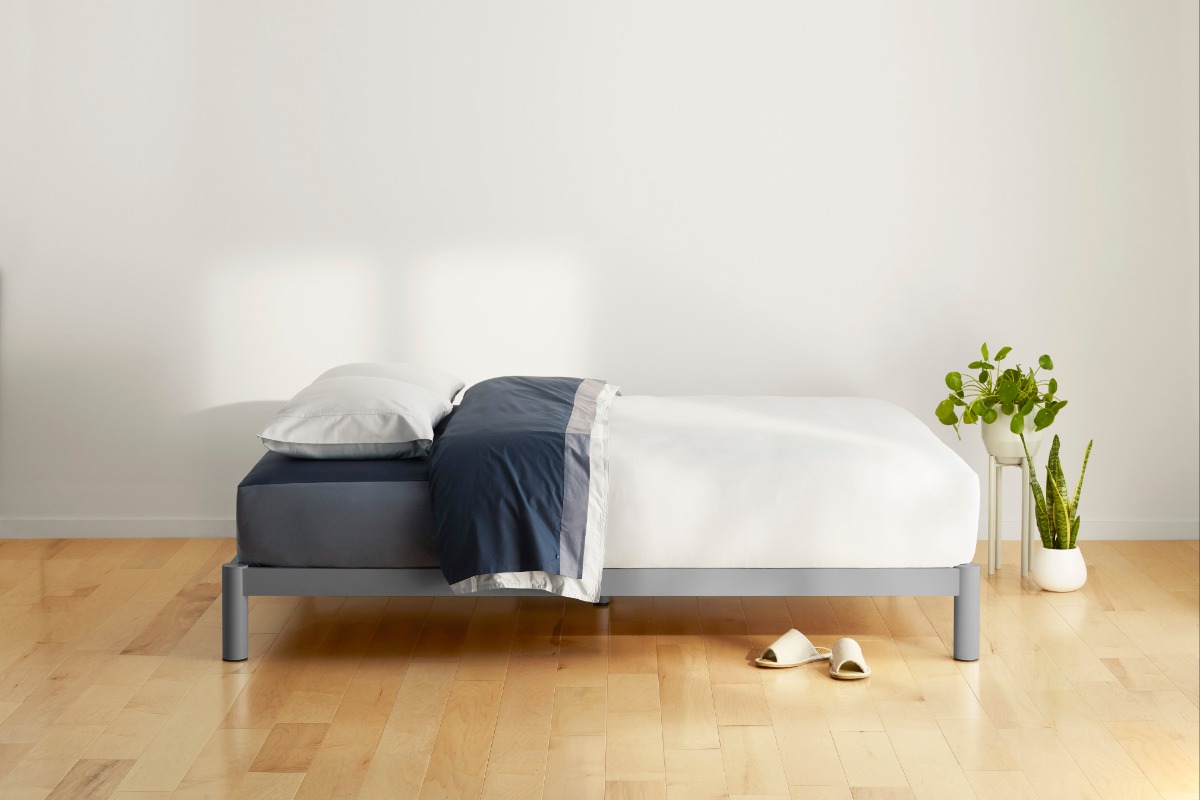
column 995, row 483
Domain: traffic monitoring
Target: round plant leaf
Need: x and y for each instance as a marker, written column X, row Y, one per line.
column 945, row 413
column 1007, row 390
column 1043, row 419
column 969, row 417
column 1007, row 408
column 1053, row 387
column 975, row 365
column 984, row 351
column 1045, row 362
column 1003, row 352
column 1018, row 423
column 983, row 376
column 1028, row 407
column 990, row 416
column 954, row 381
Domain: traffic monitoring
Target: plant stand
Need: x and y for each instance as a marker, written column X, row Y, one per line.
column 995, row 484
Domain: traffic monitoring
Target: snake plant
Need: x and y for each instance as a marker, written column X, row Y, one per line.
column 1057, row 514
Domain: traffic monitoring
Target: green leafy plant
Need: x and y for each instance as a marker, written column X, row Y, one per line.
column 1056, row 513
column 983, row 395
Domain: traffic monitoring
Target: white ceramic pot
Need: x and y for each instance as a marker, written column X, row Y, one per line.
column 1059, row 570
column 1005, row 445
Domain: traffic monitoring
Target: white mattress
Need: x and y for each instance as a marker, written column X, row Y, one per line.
column 783, row 482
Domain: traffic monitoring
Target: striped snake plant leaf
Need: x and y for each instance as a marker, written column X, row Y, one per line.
column 1050, row 464
column 1065, row 499
column 1040, row 513
column 1059, row 479
column 1079, row 486
column 1045, row 527
column 1075, row 529
column 1062, row 522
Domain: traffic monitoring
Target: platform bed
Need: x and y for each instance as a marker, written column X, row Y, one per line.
column 591, row 480
column 240, row 582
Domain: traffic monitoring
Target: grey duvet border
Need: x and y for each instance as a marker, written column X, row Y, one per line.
column 239, row 582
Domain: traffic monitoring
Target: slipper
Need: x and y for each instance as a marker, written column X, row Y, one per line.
column 847, row 662
column 791, row 650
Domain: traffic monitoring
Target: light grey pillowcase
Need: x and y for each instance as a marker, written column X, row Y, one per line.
column 440, row 383
column 357, row 416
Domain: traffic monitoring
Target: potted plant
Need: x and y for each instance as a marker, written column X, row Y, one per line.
column 1006, row 395
column 1058, row 565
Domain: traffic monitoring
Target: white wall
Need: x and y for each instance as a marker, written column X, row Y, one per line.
column 203, row 205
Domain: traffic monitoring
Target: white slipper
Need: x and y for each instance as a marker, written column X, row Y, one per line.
column 847, row 662
column 791, row 650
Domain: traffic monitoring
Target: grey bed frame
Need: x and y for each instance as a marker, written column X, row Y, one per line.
column 240, row 582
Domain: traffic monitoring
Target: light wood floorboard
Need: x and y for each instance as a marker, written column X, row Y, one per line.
column 112, row 687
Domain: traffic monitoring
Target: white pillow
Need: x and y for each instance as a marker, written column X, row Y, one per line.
column 357, row 416
column 440, row 383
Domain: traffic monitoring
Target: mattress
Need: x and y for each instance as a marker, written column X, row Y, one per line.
column 296, row 512
column 694, row 482
column 747, row 482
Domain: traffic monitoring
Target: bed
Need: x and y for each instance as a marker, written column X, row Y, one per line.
column 704, row 496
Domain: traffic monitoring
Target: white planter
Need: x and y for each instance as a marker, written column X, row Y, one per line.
column 1005, row 445
column 1059, row 570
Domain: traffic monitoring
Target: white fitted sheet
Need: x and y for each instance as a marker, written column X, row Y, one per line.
column 749, row 482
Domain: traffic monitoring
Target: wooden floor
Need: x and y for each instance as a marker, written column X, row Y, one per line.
column 111, row 686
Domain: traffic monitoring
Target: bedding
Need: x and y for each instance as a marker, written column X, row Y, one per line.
column 693, row 482
column 784, row 482
column 295, row 512
column 518, row 483
column 357, row 416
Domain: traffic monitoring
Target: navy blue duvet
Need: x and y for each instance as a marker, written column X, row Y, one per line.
column 514, row 478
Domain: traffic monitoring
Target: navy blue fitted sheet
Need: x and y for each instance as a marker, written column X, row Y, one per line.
column 298, row 512
column 276, row 468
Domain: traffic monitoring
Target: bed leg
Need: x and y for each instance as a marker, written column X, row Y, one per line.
column 235, row 613
column 966, row 614
column 603, row 601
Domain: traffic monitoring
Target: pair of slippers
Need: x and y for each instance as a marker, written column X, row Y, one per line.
column 846, row 662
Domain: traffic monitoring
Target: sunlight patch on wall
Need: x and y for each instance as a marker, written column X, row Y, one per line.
column 502, row 311
column 276, row 323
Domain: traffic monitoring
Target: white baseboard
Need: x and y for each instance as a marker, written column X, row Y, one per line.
column 1108, row 529
column 40, row 528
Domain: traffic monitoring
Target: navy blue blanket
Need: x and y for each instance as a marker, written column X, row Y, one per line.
column 518, row 483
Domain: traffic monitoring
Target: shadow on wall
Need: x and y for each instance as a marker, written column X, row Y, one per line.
column 546, row 310
column 532, row 308
column 224, row 439
column 529, row 308
column 276, row 320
